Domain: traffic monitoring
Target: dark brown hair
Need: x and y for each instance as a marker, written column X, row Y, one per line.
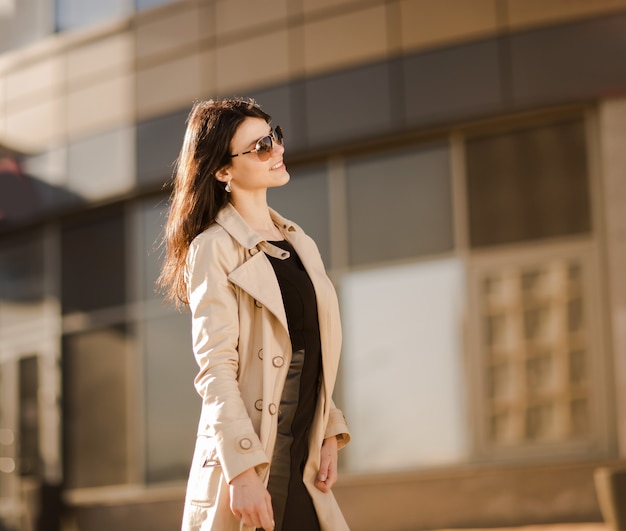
column 197, row 196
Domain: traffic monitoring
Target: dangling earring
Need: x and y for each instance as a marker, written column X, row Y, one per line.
column 228, row 188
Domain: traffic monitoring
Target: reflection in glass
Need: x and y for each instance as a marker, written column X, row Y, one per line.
column 95, row 404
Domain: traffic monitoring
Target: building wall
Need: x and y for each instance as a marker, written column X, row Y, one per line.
column 485, row 309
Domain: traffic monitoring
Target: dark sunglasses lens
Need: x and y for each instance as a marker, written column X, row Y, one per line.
column 278, row 135
column 264, row 146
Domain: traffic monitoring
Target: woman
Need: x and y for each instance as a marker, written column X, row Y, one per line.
column 266, row 332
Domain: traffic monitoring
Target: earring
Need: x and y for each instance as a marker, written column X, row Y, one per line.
column 228, row 188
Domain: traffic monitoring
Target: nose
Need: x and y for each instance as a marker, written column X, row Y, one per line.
column 277, row 147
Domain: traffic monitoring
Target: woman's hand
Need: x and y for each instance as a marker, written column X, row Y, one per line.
column 250, row 501
column 327, row 476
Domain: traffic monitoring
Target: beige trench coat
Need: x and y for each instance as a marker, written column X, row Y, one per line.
column 242, row 346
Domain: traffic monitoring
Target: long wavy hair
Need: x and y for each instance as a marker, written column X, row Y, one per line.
column 197, row 196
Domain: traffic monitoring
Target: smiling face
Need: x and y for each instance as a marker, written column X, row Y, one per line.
column 248, row 174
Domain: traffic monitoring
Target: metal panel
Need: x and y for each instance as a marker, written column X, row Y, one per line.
column 348, row 105
column 459, row 82
column 570, row 62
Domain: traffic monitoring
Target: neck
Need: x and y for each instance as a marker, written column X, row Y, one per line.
column 256, row 213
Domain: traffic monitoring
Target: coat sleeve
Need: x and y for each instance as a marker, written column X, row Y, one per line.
column 215, row 334
column 337, row 426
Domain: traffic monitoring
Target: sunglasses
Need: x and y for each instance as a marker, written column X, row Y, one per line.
column 263, row 147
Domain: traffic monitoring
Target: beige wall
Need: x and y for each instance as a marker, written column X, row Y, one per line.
column 75, row 84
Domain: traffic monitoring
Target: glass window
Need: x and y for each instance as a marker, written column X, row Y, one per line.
column 95, row 406
column 304, row 200
column 21, row 279
column 147, row 4
column 528, row 184
column 23, row 22
column 402, row 366
column 72, row 14
column 538, row 345
column 103, row 165
column 29, row 455
column 172, row 404
column 158, row 143
column 153, row 217
column 48, row 178
column 399, row 205
column 93, row 263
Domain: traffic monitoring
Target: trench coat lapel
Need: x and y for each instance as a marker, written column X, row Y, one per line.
column 255, row 275
column 257, row 278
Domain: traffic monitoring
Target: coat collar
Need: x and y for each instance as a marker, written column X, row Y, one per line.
column 256, row 275
column 236, row 226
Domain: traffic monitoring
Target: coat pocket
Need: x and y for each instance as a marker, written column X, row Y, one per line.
column 206, row 473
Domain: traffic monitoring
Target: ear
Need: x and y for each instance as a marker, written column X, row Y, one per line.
column 223, row 175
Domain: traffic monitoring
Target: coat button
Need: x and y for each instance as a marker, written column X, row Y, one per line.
column 272, row 409
column 278, row 361
column 245, row 444
column 260, row 354
column 253, row 251
column 259, row 405
column 257, row 304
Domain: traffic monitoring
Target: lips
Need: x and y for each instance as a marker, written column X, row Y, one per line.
column 277, row 165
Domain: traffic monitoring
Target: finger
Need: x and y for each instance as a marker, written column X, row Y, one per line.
column 321, row 485
column 270, row 510
column 252, row 520
column 322, row 475
column 266, row 521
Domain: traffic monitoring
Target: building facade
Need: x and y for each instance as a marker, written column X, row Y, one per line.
column 460, row 164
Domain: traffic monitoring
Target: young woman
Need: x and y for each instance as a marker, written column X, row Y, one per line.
column 265, row 327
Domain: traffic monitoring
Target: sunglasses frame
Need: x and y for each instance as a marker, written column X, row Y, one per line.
column 265, row 145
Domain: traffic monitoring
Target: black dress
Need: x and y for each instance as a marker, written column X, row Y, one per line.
column 291, row 502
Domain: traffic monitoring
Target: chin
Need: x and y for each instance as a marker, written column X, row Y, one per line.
column 284, row 179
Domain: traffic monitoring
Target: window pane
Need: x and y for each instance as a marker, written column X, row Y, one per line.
column 399, row 205
column 528, row 184
column 21, row 279
column 103, row 165
column 172, row 404
column 73, row 14
column 304, row 200
column 92, row 254
column 23, row 22
column 146, row 4
column 404, row 365
column 29, row 457
column 538, row 346
column 95, row 407
column 153, row 216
